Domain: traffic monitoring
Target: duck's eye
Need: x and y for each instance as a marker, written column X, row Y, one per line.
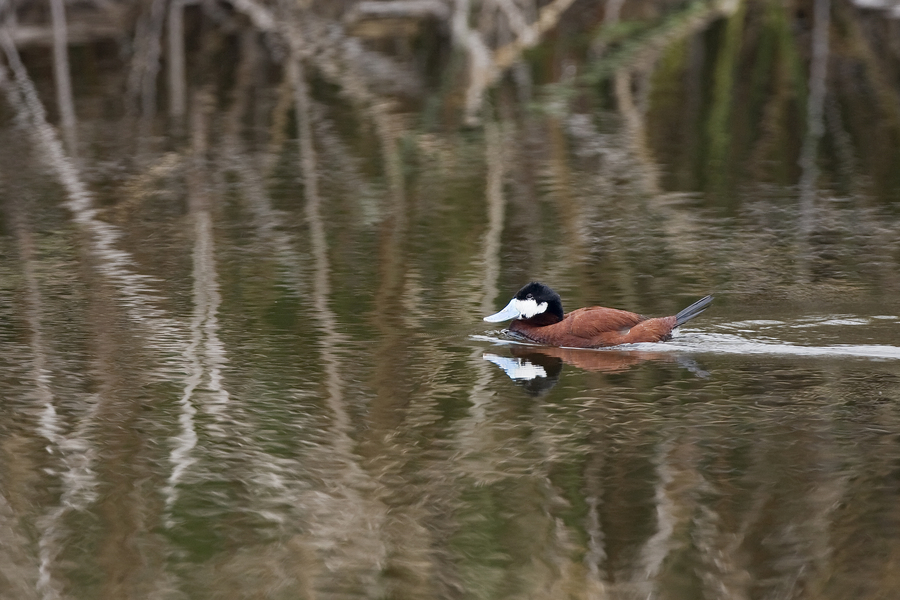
column 529, row 297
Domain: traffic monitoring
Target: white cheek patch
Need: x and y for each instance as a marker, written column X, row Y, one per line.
column 529, row 308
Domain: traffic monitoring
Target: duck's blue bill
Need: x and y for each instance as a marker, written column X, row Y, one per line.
column 508, row 313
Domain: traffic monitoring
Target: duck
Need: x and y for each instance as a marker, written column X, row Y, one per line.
column 537, row 315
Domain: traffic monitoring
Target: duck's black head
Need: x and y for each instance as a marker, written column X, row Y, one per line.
column 541, row 293
column 535, row 303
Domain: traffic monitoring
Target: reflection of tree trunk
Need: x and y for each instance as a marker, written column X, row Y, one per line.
column 130, row 563
column 321, row 288
column 278, row 129
column 479, row 60
column 62, row 75
column 496, row 203
column 859, row 41
column 635, row 131
column 595, row 558
column 680, row 227
column 574, row 247
column 49, row 426
column 206, row 296
column 678, row 482
column 203, row 354
column 612, row 11
column 265, row 217
column 554, row 547
column 176, row 61
column 352, row 510
column 718, row 127
column 495, row 159
column 473, row 435
column 145, row 66
column 17, row 565
column 815, row 128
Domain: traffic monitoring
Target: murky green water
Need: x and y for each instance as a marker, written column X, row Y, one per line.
column 242, row 353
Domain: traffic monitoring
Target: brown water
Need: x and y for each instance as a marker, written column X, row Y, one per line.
column 242, row 353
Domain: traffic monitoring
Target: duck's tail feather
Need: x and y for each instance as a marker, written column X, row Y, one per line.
column 693, row 310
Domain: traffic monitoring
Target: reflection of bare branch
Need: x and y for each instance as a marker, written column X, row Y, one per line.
column 474, row 434
column 135, row 296
column 347, row 173
column 385, row 9
column 681, row 227
column 548, row 18
column 625, row 180
column 135, row 289
column 66, row 437
column 344, row 61
column 516, row 19
column 96, row 23
column 486, row 66
column 693, row 18
column 61, row 72
column 344, row 508
column 345, row 69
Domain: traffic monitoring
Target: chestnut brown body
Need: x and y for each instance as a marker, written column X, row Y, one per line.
column 596, row 327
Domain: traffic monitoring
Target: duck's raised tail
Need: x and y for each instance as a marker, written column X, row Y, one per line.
column 693, row 310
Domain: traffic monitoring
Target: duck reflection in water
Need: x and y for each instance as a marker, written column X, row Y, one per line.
column 534, row 371
column 537, row 315
column 537, row 369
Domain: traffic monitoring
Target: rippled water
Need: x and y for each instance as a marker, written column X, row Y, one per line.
column 242, row 354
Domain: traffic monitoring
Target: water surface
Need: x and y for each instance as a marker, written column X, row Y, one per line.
column 241, row 346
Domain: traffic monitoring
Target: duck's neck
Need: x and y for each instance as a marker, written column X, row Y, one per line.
column 541, row 320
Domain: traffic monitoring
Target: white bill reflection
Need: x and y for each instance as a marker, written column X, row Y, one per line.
column 519, row 369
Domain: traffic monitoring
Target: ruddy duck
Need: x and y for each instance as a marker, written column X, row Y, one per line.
column 538, row 316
